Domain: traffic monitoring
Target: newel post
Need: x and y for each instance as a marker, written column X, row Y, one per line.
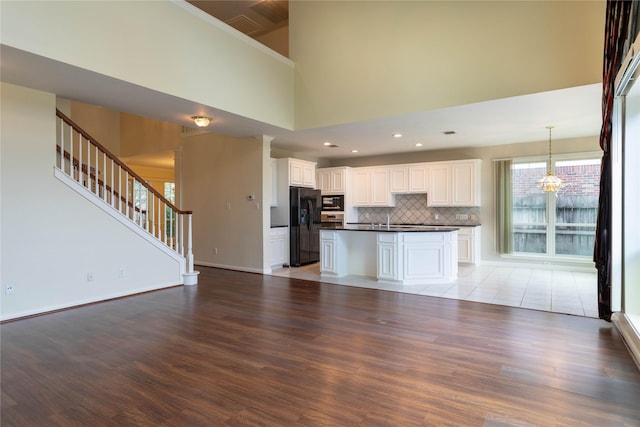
column 191, row 276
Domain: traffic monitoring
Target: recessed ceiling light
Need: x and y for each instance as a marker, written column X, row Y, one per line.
column 327, row 143
column 397, row 135
column 354, row 151
column 418, row 145
column 449, row 132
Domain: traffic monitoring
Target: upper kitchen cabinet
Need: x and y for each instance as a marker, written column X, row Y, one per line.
column 455, row 183
column 333, row 180
column 371, row 187
column 302, row 173
column 409, row 178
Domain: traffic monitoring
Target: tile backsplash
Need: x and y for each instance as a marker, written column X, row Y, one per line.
column 413, row 209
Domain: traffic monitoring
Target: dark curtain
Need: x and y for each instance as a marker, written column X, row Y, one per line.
column 616, row 33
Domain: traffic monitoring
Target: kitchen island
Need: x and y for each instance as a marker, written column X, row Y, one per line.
column 406, row 255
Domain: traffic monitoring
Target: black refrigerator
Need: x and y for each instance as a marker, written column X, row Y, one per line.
column 304, row 225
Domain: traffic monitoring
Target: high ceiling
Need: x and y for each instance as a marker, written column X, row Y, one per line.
column 575, row 112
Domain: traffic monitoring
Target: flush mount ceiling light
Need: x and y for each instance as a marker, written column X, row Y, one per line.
column 330, row 145
column 550, row 183
column 327, row 143
column 201, row 121
column 418, row 145
column 397, row 135
column 354, row 151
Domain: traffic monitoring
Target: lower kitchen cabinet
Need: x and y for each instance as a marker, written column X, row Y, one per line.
column 388, row 262
column 279, row 246
column 469, row 245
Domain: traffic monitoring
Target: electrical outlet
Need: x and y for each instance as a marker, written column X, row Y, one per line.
column 462, row 216
column 10, row 288
column 90, row 277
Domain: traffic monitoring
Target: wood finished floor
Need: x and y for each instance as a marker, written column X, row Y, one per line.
column 245, row 349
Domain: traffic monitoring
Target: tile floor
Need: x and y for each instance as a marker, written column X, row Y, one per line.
column 558, row 291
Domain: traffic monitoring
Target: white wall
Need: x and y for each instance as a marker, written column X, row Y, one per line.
column 51, row 237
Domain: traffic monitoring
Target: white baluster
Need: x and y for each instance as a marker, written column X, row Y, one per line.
column 126, row 198
column 104, row 176
column 71, row 169
column 179, row 240
column 112, row 182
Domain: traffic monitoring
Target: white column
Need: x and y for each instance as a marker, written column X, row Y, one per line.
column 266, row 203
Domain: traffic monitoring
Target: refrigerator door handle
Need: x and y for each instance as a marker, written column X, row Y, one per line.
column 310, row 211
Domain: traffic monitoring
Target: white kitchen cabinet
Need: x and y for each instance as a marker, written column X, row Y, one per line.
column 401, row 258
column 418, row 178
column 469, row 245
column 328, row 252
column 333, row 180
column 429, row 256
column 439, row 185
column 454, row 183
column 380, row 191
column 333, row 247
column 279, row 246
column 274, row 182
column 361, row 187
column 371, row 187
column 399, row 179
column 302, row 173
column 388, row 262
column 465, row 183
column 408, row 179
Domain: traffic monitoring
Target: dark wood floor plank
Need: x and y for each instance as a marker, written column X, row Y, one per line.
column 243, row 349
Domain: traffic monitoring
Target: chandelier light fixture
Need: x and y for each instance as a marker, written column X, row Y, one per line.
column 201, row 121
column 550, row 183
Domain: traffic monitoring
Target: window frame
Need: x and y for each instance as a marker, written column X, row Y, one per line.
column 551, row 219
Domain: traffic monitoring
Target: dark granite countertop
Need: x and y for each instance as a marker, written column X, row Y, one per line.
column 392, row 228
column 417, row 225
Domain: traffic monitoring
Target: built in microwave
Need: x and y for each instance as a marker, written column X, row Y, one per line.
column 333, row 203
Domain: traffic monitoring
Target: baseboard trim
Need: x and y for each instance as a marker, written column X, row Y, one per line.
column 88, row 301
column 537, row 264
column 630, row 335
column 230, row 267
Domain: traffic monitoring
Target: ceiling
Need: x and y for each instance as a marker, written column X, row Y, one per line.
column 253, row 18
column 574, row 112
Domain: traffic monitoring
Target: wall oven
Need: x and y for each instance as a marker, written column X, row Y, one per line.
column 333, row 203
column 331, row 219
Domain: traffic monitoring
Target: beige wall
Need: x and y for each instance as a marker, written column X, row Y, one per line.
column 101, row 123
column 141, row 135
column 359, row 60
column 219, row 174
column 487, row 155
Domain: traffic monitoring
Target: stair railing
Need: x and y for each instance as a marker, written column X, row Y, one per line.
column 91, row 165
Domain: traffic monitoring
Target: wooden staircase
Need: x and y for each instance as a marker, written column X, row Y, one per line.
column 90, row 167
